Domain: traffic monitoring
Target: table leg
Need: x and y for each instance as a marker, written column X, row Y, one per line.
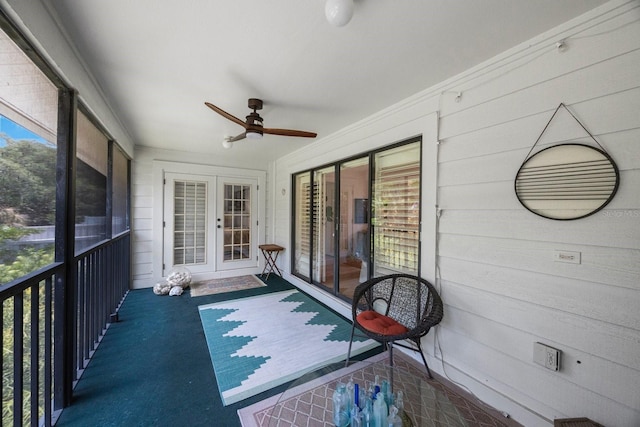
column 270, row 265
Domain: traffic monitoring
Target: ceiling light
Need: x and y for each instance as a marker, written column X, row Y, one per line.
column 253, row 134
column 338, row 12
column 226, row 143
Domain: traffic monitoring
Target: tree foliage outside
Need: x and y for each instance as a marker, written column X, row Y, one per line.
column 27, row 200
column 27, row 183
column 8, row 342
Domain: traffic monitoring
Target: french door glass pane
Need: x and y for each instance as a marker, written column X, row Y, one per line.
column 302, row 224
column 237, row 220
column 189, row 218
column 354, row 224
column 324, row 253
column 396, row 210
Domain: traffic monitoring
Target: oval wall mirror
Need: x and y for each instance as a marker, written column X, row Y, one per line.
column 567, row 181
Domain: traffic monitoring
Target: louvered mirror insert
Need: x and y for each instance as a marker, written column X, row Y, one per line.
column 567, row 181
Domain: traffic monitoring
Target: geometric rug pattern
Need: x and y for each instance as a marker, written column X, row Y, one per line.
column 259, row 342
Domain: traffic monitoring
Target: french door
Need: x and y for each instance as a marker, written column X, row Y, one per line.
column 210, row 223
column 236, row 223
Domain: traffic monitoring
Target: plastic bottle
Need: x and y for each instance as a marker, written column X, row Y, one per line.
column 356, row 417
column 385, row 388
column 393, row 420
column 341, row 414
column 399, row 403
column 367, row 413
column 380, row 411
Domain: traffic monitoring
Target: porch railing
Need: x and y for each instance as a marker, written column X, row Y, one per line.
column 36, row 368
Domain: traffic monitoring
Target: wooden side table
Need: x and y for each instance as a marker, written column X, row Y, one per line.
column 270, row 253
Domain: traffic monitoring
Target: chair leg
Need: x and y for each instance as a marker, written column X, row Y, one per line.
column 353, row 327
column 424, row 360
column 390, row 345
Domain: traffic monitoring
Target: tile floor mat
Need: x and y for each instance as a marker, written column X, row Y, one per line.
column 306, row 404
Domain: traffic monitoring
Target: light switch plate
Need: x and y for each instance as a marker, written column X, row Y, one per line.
column 570, row 257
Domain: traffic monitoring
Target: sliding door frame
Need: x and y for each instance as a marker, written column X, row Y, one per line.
column 336, row 165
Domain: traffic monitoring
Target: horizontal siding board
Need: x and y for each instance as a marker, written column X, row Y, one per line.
column 541, row 63
column 541, row 390
column 142, row 187
column 143, row 224
column 142, row 212
column 519, row 136
column 596, row 230
column 605, row 340
column 500, row 195
column 587, row 299
column 573, row 76
column 142, row 235
column 143, row 257
column 604, row 265
column 143, row 247
column 142, row 201
column 545, row 98
column 141, row 269
column 589, row 372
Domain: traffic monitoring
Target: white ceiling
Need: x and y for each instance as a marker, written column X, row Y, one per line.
column 158, row 61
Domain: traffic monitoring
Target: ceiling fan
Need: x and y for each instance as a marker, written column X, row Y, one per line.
column 253, row 124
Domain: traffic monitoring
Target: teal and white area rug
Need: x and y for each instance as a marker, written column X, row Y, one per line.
column 260, row 342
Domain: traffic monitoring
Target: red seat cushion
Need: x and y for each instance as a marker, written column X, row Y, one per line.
column 379, row 323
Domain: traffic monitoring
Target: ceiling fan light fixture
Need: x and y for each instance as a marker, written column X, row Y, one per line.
column 338, row 12
column 254, row 134
column 226, row 143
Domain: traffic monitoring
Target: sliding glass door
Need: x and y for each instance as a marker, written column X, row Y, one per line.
column 324, row 227
column 396, row 211
column 301, row 263
column 354, row 225
column 357, row 219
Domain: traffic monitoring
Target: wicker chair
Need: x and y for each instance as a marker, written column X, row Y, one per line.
column 394, row 308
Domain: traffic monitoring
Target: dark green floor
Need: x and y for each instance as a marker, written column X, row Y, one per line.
column 153, row 367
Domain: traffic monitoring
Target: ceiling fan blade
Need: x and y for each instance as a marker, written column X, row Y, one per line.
column 243, row 135
column 225, row 114
column 290, row 132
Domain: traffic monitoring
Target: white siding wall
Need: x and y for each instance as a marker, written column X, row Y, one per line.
column 502, row 289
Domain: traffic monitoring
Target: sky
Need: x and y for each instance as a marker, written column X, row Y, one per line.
column 16, row 132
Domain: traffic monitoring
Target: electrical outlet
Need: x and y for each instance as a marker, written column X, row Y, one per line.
column 551, row 359
column 546, row 356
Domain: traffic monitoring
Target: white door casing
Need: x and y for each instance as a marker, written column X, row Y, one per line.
column 211, row 263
